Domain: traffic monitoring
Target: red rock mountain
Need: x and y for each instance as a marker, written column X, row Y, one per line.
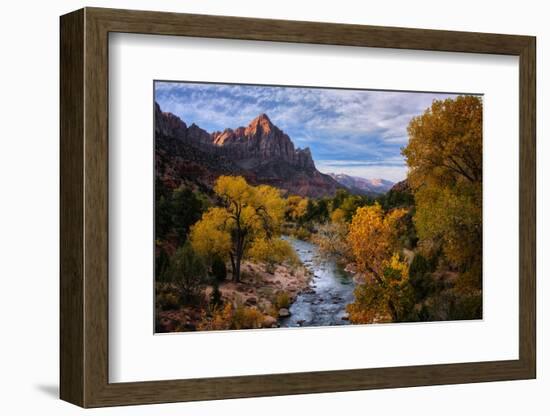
column 261, row 142
column 261, row 152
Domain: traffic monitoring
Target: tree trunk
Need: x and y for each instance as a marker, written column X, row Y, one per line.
column 391, row 305
column 233, row 267
column 239, row 251
column 238, row 269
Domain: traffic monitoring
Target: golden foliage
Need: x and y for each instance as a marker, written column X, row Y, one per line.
column 444, row 156
column 373, row 237
column 257, row 210
column 230, row 317
column 210, row 235
column 452, row 216
column 272, row 251
column 296, row 207
column 220, row 319
column 338, row 216
column 247, row 318
column 445, row 143
column 386, row 293
column 248, row 213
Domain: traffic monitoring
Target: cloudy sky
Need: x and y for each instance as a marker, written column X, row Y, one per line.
column 357, row 132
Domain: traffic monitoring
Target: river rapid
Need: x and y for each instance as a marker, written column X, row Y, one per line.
column 324, row 302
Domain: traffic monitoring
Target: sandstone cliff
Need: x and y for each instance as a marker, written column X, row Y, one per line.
column 261, row 152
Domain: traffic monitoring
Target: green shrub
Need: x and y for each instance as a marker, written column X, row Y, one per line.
column 162, row 263
column 186, row 208
column 466, row 307
column 448, row 305
column 167, row 301
column 419, row 265
column 219, row 271
column 420, row 278
column 187, row 272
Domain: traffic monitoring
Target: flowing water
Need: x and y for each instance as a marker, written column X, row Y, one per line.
column 324, row 302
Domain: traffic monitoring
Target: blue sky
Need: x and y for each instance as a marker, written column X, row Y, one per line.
column 357, row 132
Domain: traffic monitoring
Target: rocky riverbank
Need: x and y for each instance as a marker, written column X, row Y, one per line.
column 260, row 291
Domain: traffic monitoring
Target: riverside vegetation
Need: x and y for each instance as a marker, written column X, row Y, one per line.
column 225, row 257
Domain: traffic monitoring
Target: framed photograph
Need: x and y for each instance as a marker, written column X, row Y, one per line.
column 256, row 207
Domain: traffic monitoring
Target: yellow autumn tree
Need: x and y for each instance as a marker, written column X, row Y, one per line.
column 385, row 293
column 296, row 207
column 444, row 156
column 331, row 238
column 247, row 213
column 338, row 216
column 209, row 236
column 272, row 251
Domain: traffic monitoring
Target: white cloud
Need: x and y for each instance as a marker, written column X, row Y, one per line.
column 368, row 127
column 389, row 172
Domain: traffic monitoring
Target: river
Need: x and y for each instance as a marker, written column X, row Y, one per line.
column 330, row 290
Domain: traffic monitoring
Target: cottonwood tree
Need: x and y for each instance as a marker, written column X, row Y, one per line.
column 271, row 252
column 444, row 156
column 247, row 213
column 386, row 291
column 296, row 207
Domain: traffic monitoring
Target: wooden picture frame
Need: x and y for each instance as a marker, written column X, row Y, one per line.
column 84, row 207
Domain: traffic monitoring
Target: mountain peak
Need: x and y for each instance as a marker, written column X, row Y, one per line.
column 261, row 123
column 261, row 152
column 263, row 117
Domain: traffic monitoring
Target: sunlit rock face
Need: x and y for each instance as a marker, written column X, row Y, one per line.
column 261, row 152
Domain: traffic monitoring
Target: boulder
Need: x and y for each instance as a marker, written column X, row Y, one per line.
column 284, row 313
column 269, row 322
column 251, row 301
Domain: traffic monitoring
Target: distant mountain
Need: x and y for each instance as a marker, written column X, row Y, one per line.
column 261, row 152
column 360, row 185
